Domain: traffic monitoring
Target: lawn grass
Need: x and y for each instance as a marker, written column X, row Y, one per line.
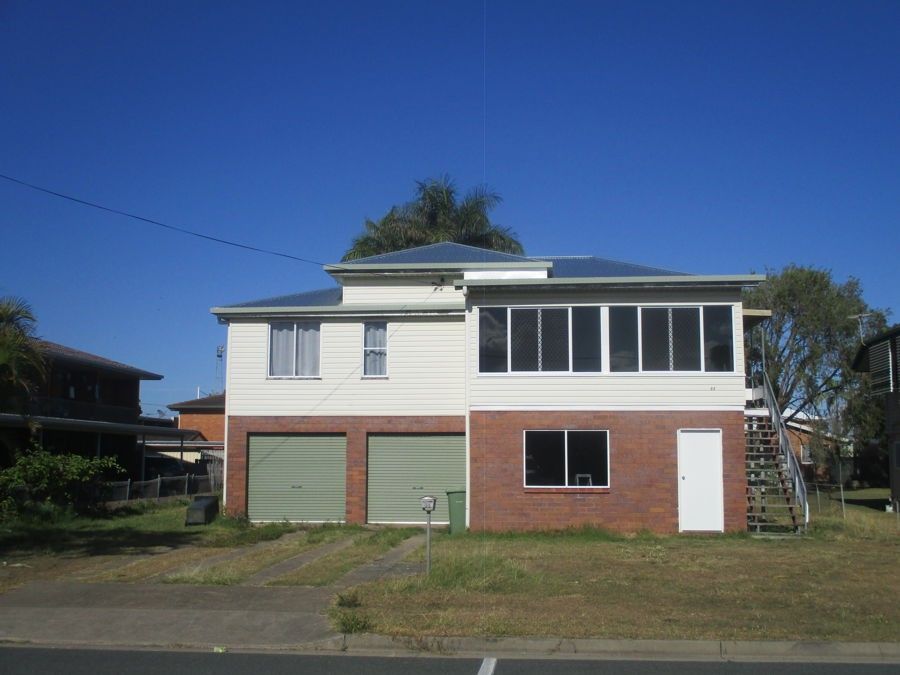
column 366, row 548
column 237, row 570
column 837, row 583
column 129, row 544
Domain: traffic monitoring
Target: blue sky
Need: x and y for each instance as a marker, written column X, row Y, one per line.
column 705, row 137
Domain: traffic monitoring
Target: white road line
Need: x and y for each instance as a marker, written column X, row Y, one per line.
column 487, row 666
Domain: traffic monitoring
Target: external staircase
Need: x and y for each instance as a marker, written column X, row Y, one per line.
column 776, row 493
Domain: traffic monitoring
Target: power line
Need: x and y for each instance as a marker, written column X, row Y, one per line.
column 150, row 221
column 191, row 233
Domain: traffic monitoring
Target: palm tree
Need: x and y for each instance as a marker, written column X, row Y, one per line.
column 434, row 216
column 22, row 365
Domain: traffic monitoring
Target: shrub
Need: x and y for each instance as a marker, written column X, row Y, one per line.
column 39, row 479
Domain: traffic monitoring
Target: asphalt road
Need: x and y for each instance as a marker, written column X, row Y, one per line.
column 32, row 660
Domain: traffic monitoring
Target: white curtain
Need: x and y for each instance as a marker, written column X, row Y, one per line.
column 308, row 349
column 375, row 352
column 281, row 349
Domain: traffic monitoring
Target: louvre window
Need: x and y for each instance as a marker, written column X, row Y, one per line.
column 623, row 339
column 641, row 339
column 718, row 339
column 586, row 340
column 492, row 340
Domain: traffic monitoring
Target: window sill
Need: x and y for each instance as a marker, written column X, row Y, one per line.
column 374, row 377
column 571, row 373
column 567, row 490
column 293, row 377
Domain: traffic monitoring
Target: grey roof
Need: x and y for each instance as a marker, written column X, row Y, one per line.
column 58, row 352
column 322, row 297
column 213, row 402
column 444, row 252
column 580, row 266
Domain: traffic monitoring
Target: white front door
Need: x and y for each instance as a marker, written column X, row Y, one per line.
column 700, row 501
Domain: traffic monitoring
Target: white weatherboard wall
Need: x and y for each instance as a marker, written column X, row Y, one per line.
column 609, row 391
column 426, row 371
column 390, row 292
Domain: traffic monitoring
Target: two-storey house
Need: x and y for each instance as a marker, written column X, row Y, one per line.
column 558, row 391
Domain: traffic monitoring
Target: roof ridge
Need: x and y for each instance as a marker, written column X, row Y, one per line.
column 613, row 260
column 429, row 246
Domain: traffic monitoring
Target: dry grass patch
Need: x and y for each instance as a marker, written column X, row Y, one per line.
column 838, row 583
column 261, row 556
column 367, row 547
column 154, row 566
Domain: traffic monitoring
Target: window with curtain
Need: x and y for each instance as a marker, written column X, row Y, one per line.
column 294, row 349
column 375, row 349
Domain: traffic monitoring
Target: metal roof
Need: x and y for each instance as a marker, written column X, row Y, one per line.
column 443, row 253
column 322, row 297
column 58, row 352
column 576, row 270
column 592, row 266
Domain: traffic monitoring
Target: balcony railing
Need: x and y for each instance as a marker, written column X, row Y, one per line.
column 85, row 410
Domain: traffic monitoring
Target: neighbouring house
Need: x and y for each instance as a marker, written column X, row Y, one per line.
column 203, row 414
column 880, row 356
column 206, row 416
column 805, row 433
column 557, row 391
column 88, row 405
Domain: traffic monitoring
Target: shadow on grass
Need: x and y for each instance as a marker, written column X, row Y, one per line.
column 876, row 504
column 90, row 541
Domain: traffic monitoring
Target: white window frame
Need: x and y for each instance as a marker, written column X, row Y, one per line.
column 566, row 461
column 805, row 453
column 384, row 349
column 269, row 375
column 605, row 344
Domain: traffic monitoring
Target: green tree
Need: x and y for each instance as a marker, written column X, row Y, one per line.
column 436, row 215
column 809, row 342
column 22, row 366
column 40, row 478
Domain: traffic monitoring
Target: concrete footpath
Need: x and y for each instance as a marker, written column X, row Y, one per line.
column 289, row 619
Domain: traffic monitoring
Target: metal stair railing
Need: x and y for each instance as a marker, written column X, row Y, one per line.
column 784, row 447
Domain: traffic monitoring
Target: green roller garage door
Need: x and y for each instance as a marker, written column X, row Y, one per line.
column 404, row 468
column 298, row 477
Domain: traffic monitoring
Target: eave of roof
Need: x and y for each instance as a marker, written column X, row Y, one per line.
column 69, row 424
column 214, row 402
column 57, row 352
column 438, row 267
column 344, row 310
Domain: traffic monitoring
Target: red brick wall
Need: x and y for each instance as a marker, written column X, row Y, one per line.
column 210, row 424
column 356, row 430
column 643, row 493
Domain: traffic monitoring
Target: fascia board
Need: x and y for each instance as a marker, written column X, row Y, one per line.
column 437, row 267
column 360, row 309
column 649, row 281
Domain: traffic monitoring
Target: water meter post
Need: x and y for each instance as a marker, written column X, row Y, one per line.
column 428, row 504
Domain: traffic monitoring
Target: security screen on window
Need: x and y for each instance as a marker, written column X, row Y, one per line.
column 539, row 339
column 566, row 459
